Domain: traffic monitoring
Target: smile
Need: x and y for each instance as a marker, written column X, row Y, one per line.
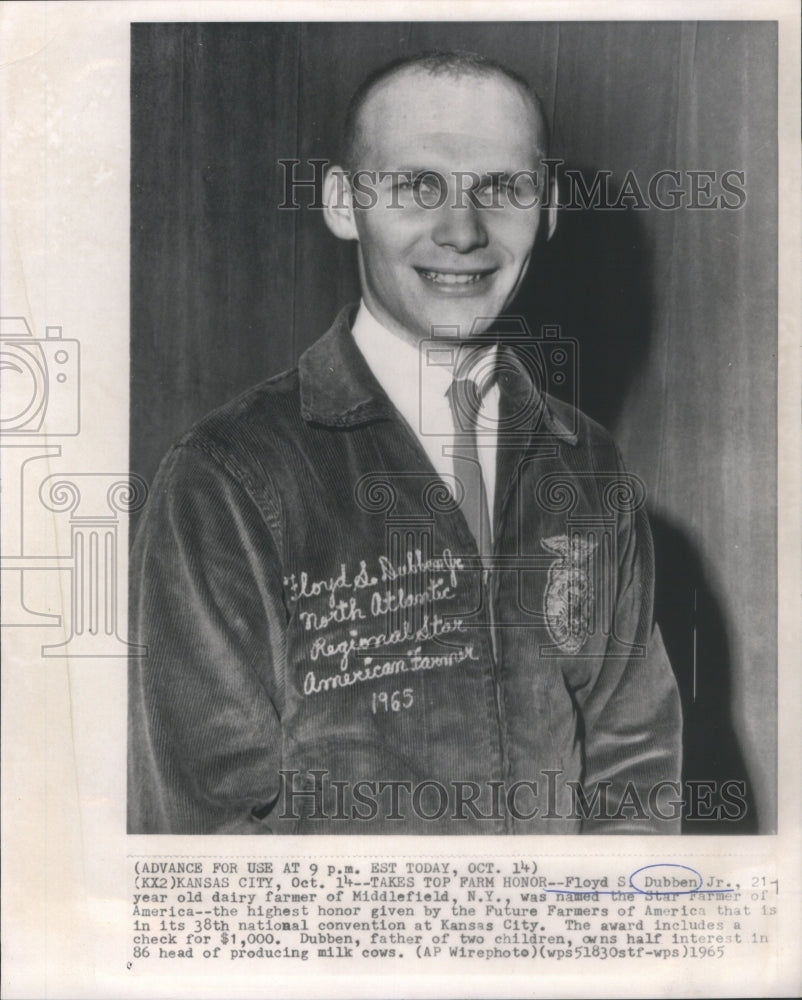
column 453, row 277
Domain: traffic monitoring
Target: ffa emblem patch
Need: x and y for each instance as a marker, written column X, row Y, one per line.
column 568, row 597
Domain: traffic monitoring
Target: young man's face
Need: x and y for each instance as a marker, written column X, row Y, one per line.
column 452, row 246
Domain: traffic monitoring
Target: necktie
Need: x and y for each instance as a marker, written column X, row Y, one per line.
column 465, row 401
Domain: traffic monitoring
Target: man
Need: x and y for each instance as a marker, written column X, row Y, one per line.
column 398, row 588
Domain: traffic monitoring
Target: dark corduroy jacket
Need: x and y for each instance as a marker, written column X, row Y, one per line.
column 327, row 653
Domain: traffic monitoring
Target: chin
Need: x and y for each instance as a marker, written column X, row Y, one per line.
column 466, row 318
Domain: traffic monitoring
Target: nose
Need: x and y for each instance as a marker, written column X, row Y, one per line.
column 459, row 228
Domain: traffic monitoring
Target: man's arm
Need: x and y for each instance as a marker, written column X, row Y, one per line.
column 205, row 702
column 630, row 707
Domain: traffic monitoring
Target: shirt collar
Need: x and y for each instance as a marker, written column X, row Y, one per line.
column 399, row 365
column 338, row 388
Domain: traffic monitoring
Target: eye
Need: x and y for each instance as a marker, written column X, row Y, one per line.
column 494, row 191
column 424, row 188
column 519, row 190
column 428, row 187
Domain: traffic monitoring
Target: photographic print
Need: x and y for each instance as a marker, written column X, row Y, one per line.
column 400, row 444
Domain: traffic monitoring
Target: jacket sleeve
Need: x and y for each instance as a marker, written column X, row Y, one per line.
column 630, row 706
column 206, row 599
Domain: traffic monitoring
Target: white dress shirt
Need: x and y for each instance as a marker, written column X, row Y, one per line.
column 416, row 379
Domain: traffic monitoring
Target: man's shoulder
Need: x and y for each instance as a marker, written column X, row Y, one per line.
column 261, row 411
column 242, row 441
column 282, row 406
column 580, row 429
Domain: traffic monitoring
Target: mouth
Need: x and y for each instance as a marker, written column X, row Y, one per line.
column 454, row 279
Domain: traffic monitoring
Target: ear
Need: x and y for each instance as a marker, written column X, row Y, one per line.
column 551, row 208
column 338, row 205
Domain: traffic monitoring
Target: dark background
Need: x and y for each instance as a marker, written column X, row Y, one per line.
column 674, row 311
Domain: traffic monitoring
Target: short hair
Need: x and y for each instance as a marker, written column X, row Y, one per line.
column 455, row 63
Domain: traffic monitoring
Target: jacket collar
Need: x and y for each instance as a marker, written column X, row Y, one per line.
column 338, row 389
